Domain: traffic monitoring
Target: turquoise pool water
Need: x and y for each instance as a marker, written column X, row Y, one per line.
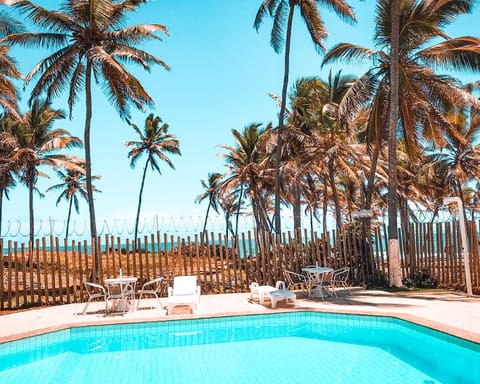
column 300, row 347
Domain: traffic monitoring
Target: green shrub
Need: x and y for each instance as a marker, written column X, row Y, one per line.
column 421, row 279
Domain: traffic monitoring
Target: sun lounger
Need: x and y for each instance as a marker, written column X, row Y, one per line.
column 280, row 293
column 259, row 291
column 274, row 294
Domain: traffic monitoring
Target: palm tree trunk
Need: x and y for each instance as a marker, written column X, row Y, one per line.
column 392, row 198
column 68, row 216
column 297, row 206
column 206, row 219
column 331, row 176
column 281, row 118
column 88, row 164
column 31, row 213
column 140, row 199
column 1, row 211
column 238, row 209
column 325, row 206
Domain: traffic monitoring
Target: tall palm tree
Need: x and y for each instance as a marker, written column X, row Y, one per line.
column 155, row 141
column 34, row 142
column 73, row 184
column 93, row 44
column 8, row 69
column 394, row 270
column 423, row 47
column 211, row 192
column 282, row 12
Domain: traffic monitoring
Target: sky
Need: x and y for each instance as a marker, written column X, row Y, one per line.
column 222, row 71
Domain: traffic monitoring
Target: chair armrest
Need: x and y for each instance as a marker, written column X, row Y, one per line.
column 170, row 291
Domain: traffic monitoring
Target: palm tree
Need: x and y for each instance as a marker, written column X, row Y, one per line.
column 92, row 44
column 8, row 69
column 73, row 184
column 421, row 23
column 248, row 173
column 212, row 191
column 282, row 12
column 328, row 149
column 33, row 143
column 394, row 270
column 155, row 141
column 7, row 169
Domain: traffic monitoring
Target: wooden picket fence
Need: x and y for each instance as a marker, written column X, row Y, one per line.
column 52, row 272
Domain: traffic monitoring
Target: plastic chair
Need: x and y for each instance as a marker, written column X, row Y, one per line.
column 95, row 291
column 153, row 287
column 185, row 291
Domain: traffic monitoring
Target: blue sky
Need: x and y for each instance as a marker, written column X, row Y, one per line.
column 222, row 72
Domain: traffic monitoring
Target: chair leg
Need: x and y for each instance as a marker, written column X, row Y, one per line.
column 84, row 312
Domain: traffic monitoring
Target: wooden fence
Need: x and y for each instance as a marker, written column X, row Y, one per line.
column 52, row 272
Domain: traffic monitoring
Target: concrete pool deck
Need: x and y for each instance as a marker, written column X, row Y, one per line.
column 451, row 313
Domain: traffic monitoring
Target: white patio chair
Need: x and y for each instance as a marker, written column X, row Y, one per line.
column 153, row 287
column 185, row 291
column 295, row 281
column 340, row 280
column 94, row 292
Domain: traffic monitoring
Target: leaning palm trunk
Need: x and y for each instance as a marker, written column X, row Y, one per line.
column 206, row 219
column 140, row 200
column 88, row 166
column 68, row 217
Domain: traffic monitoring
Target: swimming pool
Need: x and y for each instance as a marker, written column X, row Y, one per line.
column 297, row 347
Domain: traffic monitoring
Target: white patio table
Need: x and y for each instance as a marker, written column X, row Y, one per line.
column 316, row 277
column 122, row 290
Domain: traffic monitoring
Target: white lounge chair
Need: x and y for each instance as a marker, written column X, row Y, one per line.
column 280, row 293
column 274, row 294
column 185, row 291
column 258, row 291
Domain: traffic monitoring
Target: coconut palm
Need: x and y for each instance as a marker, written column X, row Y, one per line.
column 73, row 184
column 155, row 142
column 423, row 47
column 7, row 179
column 282, row 12
column 211, row 192
column 93, row 44
column 8, row 69
column 33, row 143
column 329, row 149
column 248, row 173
